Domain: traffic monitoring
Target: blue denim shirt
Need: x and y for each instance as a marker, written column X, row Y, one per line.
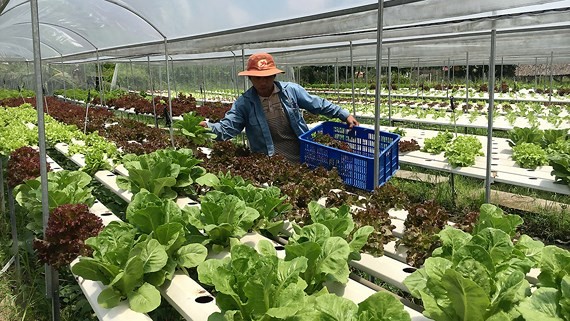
column 247, row 113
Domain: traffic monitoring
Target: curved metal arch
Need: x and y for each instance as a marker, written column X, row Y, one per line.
column 84, row 38
column 19, row 46
column 138, row 15
column 55, row 26
column 41, row 42
column 3, row 4
column 14, row 7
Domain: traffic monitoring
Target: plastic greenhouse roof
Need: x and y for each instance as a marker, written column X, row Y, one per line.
column 428, row 29
column 407, row 51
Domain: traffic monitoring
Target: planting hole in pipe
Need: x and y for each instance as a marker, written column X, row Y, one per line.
column 204, row 299
column 106, row 214
column 409, row 270
column 279, row 247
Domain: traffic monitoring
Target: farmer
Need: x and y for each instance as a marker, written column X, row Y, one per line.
column 270, row 111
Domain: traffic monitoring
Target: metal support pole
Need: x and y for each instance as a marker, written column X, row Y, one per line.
column 63, row 78
column 234, row 74
column 132, row 77
column 551, row 76
column 48, row 87
column 467, row 79
column 418, row 80
column 203, row 87
column 398, row 68
column 389, row 88
column 337, row 80
column 127, row 76
column 159, row 81
column 51, row 291
column 366, row 82
column 99, row 74
column 152, row 92
column 378, row 91
column 85, row 82
column 173, row 78
column 535, row 73
column 352, row 71
column 168, row 88
column 244, row 67
column 448, row 77
column 490, row 113
column 86, row 113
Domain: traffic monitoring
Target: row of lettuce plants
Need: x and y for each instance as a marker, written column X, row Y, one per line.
column 482, row 275
column 309, row 215
column 225, row 216
column 311, row 230
column 107, row 138
column 485, row 268
column 158, row 223
column 533, row 147
column 142, row 103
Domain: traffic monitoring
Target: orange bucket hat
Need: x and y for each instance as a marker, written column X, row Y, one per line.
column 260, row 65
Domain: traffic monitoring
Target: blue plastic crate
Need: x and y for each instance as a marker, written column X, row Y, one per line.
column 357, row 167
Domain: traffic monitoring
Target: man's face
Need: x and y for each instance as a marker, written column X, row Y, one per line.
column 263, row 85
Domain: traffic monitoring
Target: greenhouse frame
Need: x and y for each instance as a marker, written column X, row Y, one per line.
column 449, row 201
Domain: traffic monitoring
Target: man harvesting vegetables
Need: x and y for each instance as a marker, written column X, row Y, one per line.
column 270, row 111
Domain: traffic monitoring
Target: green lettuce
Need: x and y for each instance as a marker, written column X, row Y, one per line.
column 64, row 187
column 268, row 201
column 165, row 173
column 222, row 217
column 479, row 276
column 254, row 286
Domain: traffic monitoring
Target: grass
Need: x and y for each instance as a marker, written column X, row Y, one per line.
column 25, row 299
column 8, row 300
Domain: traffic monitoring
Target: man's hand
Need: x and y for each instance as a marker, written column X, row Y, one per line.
column 203, row 124
column 351, row 121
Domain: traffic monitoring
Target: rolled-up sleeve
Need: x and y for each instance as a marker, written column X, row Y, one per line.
column 230, row 126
